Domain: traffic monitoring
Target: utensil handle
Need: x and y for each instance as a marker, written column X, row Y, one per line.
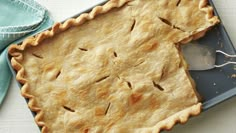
column 220, row 98
column 227, row 63
column 227, row 55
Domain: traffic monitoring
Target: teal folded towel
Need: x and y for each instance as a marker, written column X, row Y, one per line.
column 18, row 19
column 5, row 78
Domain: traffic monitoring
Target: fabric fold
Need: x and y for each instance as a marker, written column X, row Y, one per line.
column 18, row 18
column 5, row 78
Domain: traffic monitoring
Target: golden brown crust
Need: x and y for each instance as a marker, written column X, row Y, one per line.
column 180, row 117
column 203, row 6
column 58, row 27
column 34, row 41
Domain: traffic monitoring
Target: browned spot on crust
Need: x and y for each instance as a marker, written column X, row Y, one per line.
column 153, row 46
column 136, row 97
column 102, row 93
column 86, row 130
column 102, row 110
column 149, row 46
column 99, row 111
column 82, row 94
column 154, row 104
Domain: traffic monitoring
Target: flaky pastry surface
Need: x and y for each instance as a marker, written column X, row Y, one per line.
column 116, row 69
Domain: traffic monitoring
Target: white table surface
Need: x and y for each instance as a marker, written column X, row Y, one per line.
column 15, row 117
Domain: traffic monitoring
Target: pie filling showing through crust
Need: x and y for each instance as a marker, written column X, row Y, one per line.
column 116, row 69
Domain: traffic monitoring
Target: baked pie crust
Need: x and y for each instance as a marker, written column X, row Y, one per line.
column 115, row 69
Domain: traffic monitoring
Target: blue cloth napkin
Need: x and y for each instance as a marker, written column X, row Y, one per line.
column 18, row 19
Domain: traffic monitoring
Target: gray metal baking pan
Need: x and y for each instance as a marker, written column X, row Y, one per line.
column 214, row 86
column 219, row 84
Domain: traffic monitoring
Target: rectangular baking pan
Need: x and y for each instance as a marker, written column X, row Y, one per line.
column 219, row 84
column 216, row 85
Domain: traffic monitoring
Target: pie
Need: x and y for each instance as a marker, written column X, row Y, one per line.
column 116, row 69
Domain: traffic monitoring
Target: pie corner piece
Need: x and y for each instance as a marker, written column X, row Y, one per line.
column 115, row 69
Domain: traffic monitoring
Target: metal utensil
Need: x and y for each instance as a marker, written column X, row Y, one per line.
column 202, row 57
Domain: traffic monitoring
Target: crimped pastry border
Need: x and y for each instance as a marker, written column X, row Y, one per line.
column 17, row 57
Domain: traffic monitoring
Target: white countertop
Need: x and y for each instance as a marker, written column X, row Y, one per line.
column 15, row 117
